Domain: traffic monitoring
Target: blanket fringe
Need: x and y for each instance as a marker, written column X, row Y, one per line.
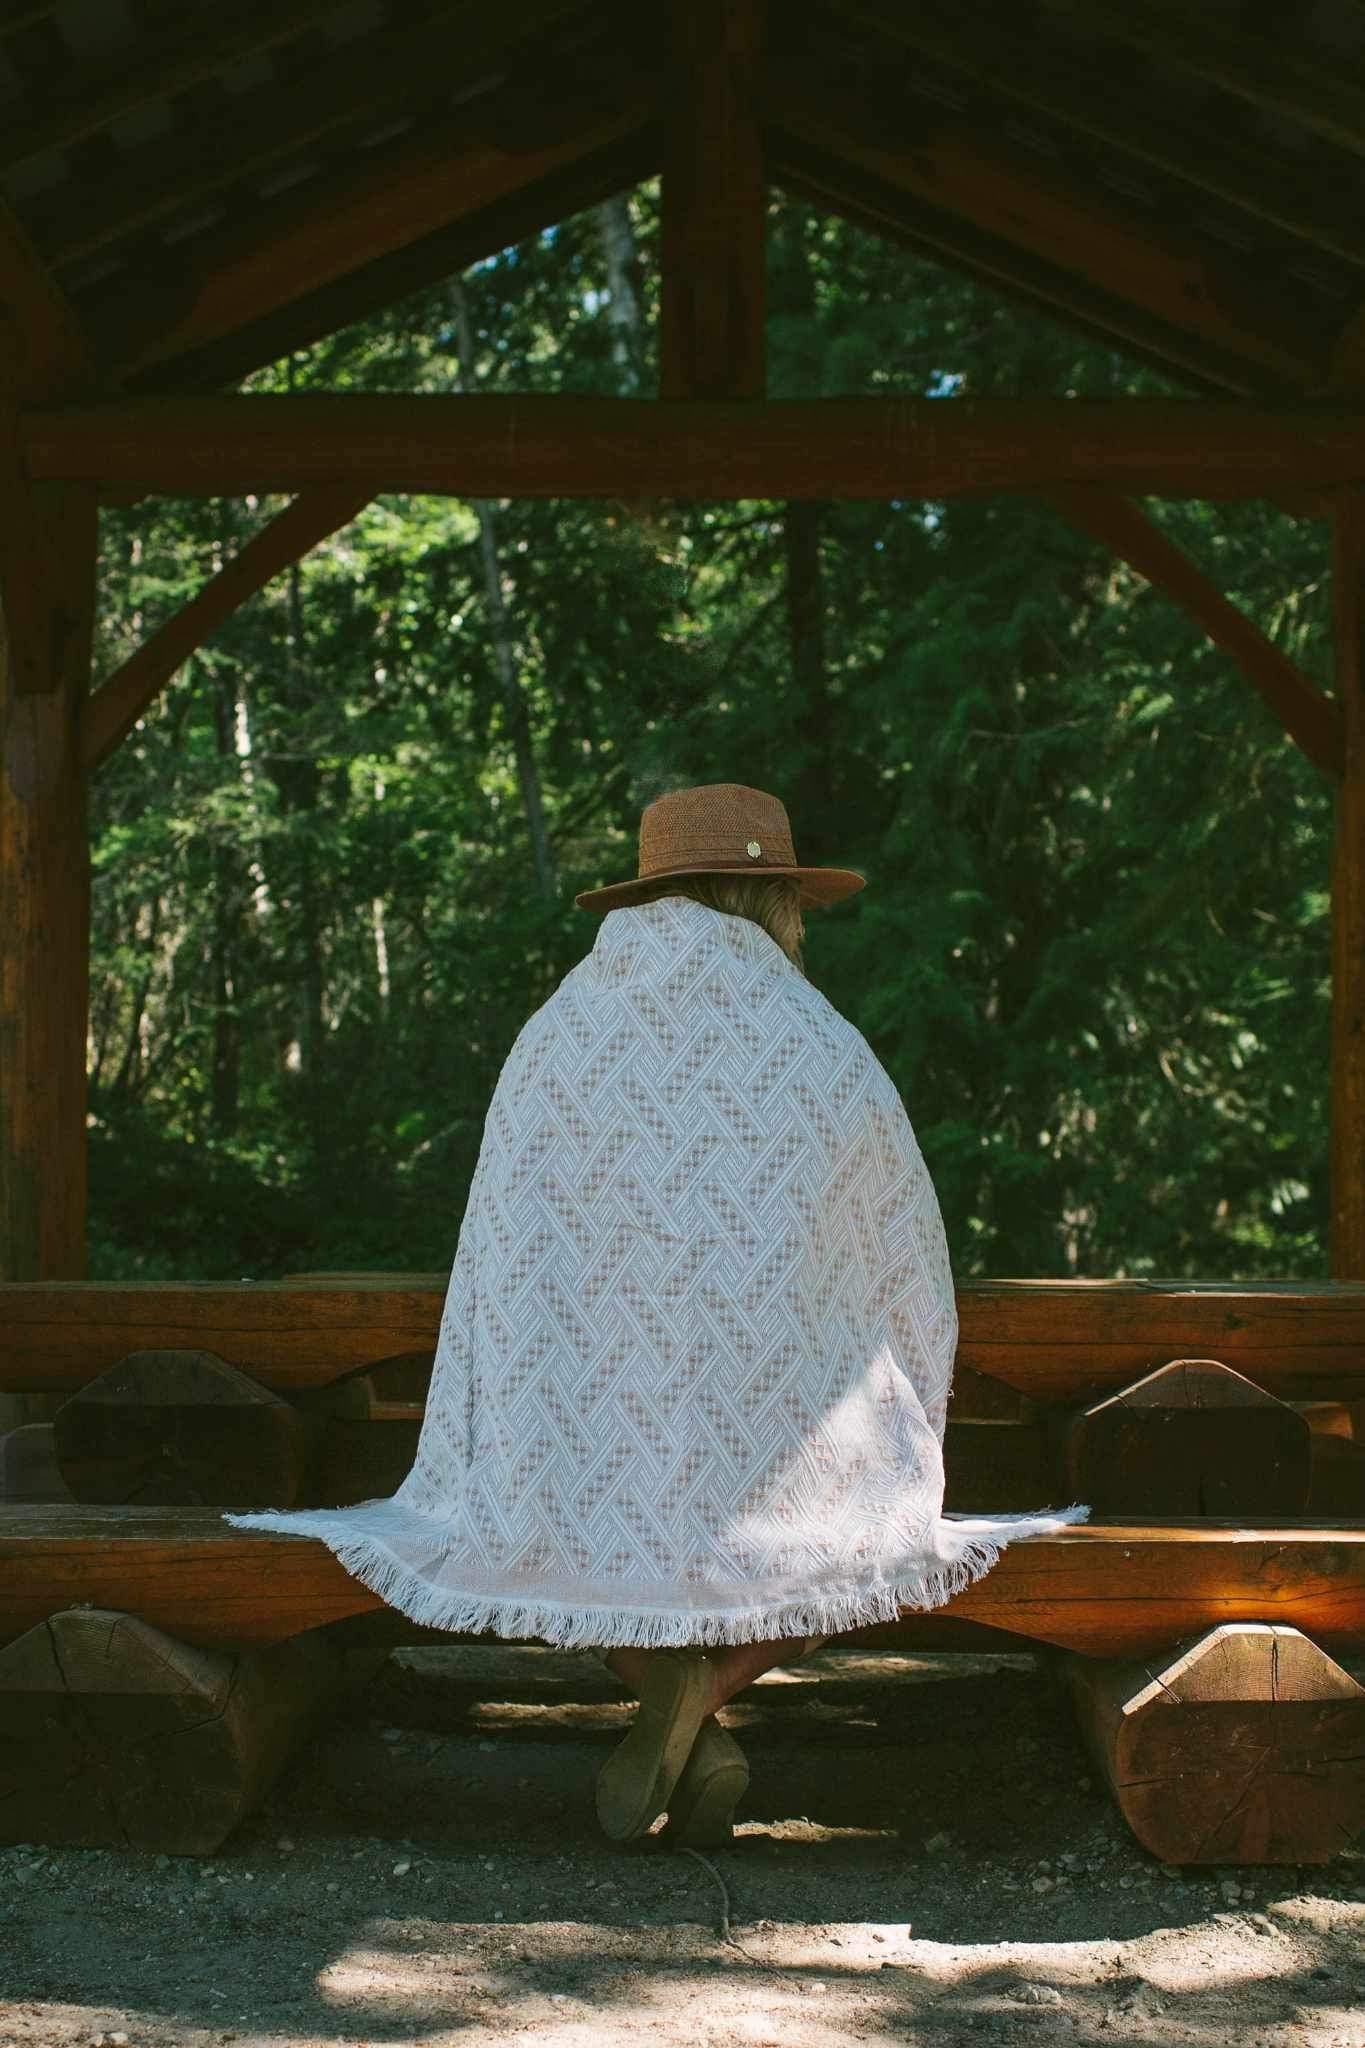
column 973, row 1546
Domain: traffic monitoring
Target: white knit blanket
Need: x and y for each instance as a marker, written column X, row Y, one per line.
column 698, row 1340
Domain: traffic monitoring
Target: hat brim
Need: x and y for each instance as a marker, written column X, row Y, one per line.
column 819, row 886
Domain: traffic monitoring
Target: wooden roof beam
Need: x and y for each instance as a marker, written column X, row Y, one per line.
column 359, row 83
column 945, row 238
column 45, row 349
column 110, row 714
column 1321, row 93
column 427, row 183
column 713, row 205
column 1085, row 98
column 97, row 92
column 950, row 167
column 552, row 445
column 297, row 323
column 1312, row 720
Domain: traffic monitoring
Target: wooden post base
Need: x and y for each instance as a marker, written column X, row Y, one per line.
column 114, row 1734
column 1245, row 1746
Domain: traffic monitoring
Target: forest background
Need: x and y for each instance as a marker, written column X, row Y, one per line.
column 334, row 865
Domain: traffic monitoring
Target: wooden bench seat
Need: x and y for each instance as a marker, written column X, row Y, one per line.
column 1106, row 1589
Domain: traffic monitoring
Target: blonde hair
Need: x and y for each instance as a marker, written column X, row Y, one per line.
column 772, row 901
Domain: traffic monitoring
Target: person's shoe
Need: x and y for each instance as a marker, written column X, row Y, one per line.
column 701, row 1812
column 636, row 1782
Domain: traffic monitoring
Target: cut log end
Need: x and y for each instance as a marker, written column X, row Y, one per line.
column 114, row 1734
column 182, row 1429
column 1246, row 1746
column 1192, row 1438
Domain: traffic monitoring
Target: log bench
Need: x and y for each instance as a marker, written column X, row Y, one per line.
column 1219, row 1430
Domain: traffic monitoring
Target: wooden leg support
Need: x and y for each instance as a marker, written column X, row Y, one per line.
column 1245, row 1746
column 113, row 1734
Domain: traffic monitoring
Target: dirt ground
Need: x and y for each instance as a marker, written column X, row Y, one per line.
column 923, row 1855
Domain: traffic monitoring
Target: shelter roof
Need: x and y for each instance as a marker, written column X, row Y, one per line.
column 211, row 187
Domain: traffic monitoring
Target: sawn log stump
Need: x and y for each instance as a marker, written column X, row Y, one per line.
column 1246, row 1746
column 114, row 1734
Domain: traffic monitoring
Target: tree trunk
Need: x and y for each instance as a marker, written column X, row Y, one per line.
column 504, row 654
column 624, row 316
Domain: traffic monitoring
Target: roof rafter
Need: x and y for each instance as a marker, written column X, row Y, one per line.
column 44, row 346
column 1085, row 99
column 298, row 323
column 91, row 95
column 428, row 183
column 359, row 83
column 1270, row 72
column 950, row 168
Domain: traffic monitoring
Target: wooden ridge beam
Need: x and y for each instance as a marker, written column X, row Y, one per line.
column 950, row 167
column 1321, row 93
column 114, row 709
column 1347, row 1170
column 302, row 244
column 1080, row 91
column 547, row 445
column 100, row 90
column 1052, row 1340
column 1311, row 719
column 357, row 85
column 1105, row 1589
column 713, row 205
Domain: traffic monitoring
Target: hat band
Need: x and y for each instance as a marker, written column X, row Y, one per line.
column 717, row 864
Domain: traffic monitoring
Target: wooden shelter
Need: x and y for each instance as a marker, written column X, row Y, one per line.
column 187, row 194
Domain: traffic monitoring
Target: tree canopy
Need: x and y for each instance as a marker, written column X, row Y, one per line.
column 334, row 864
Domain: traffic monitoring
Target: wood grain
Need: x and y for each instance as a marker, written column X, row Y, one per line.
column 1113, row 1589
column 1048, row 1340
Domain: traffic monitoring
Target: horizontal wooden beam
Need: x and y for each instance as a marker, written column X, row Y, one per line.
column 1312, row 720
column 949, row 165
column 115, row 707
column 1053, row 1340
column 1107, row 1590
column 546, row 446
column 1081, row 90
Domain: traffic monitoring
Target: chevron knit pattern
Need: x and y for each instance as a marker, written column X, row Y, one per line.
column 698, row 1340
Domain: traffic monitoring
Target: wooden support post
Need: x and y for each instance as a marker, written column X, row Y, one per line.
column 182, row 1429
column 47, row 582
column 1247, row 1746
column 713, row 207
column 113, row 1734
column 1347, row 1240
column 1191, row 1438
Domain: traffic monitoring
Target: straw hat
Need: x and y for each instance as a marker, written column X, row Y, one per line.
column 720, row 828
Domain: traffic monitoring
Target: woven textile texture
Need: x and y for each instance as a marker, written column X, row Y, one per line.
column 697, row 1343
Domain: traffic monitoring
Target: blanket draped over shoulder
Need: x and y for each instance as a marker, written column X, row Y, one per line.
column 697, row 1345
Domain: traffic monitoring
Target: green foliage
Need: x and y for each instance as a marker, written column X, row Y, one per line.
column 1092, row 949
